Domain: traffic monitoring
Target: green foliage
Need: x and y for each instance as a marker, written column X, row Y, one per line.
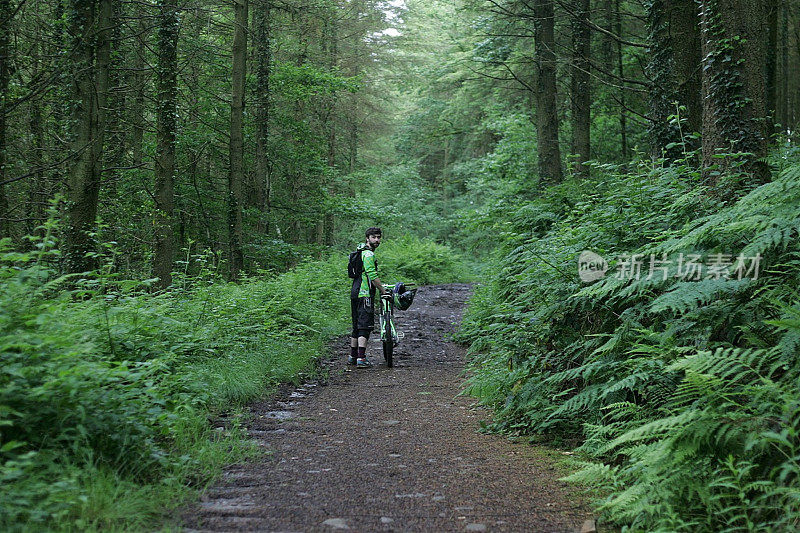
column 683, row 390
column 399, row 201
column 102, row 384
column 303, row 81
column 106, row 389
column 416, row 222
column 411, row 259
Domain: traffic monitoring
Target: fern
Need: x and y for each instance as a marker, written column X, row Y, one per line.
column 688, row 295
column 663, row 378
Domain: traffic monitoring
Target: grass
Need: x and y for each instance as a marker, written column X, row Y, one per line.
column 107, row 390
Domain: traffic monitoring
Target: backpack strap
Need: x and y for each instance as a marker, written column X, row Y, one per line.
column 364, row 271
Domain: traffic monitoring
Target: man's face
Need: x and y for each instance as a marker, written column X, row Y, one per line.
column 373, row 241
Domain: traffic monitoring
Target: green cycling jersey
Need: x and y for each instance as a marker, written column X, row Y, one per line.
column 369, row 273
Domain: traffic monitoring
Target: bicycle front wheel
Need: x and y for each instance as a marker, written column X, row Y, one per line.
column 388, row 339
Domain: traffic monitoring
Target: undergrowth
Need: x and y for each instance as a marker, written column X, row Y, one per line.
column 409, row 258
column 682, row 390
column 108, row 391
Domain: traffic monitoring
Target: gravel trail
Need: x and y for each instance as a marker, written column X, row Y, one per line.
column 385, row 449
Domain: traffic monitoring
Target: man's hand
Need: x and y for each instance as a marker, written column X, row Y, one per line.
column 380, row 287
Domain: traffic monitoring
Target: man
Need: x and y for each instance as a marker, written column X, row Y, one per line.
column 362, row 299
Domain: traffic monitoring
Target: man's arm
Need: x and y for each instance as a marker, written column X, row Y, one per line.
column 377, row 283
column 372, row 272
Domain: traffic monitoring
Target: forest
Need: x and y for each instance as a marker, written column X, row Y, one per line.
column 181, row 182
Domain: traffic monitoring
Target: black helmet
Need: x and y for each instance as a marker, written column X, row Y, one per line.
column 403, row 300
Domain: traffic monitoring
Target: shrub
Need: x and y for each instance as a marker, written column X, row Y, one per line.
column 102, row 380
column 682, row 392
column 105, row 384
column 411, row 259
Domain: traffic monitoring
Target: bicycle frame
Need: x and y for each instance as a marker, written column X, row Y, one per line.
column 389, row 334
column 386, row 314
column 387, row 329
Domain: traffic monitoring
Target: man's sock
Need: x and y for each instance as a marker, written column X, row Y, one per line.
column 362, row 352
column 353, row 352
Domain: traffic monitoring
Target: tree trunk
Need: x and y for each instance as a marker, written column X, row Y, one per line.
column 36, row 192
column 623, row 118
column 329, row 222
column 166, row 105
column 545, row 92
column 352, row 158
column 90, row 61
column 772, row 65
column 783, row 105
column 734, row 88
column 137, row 110
column 5, row 56
column 793, row 119
column 105, row 23
column 674, row 69
column 263, row 57
column 58, row 100
column 295, row 177
column 37, row 197
column 116, row 108
column 236, row 173
column 580, row 88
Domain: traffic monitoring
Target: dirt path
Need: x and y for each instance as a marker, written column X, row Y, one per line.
column 389, row 450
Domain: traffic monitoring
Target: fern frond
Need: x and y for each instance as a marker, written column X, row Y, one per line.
column 733, row 365
column 688, row 295
column 656, row 428
column 777, row 235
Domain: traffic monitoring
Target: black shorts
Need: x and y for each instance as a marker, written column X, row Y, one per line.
column 363, row 316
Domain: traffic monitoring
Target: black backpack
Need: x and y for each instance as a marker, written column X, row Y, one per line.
column 355, row 265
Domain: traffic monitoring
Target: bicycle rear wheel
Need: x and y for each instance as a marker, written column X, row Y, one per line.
column 388, row 339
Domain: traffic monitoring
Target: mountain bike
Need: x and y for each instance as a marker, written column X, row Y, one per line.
column 389, row 334
column 388, row 331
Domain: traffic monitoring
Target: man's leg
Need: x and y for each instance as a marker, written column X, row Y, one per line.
column 362, row 347
column 354, row 332
column 365, row 325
